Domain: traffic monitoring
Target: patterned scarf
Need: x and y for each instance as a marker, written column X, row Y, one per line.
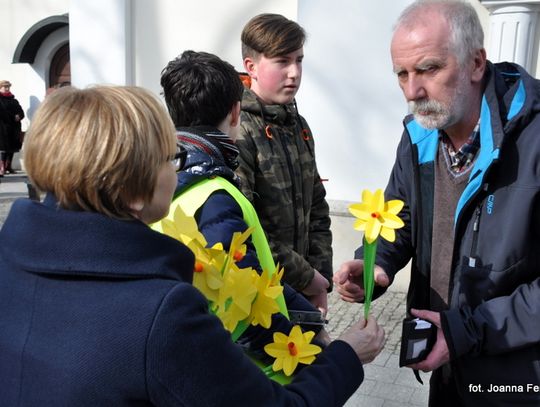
column 210, row 140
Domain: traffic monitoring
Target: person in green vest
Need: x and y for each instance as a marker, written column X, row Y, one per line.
column 203, row 96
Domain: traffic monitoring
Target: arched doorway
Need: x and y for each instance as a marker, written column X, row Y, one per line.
column 60, row 72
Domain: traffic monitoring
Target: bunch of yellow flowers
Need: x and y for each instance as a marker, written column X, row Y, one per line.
column 240, row 296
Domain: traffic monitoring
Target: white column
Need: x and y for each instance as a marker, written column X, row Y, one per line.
column 100, row 42
column 512, row 31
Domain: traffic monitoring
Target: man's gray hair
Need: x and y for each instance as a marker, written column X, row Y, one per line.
column 466, row 34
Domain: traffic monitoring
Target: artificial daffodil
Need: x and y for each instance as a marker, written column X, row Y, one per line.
column 183, row 228
column 374, row 216
column 236, row 296
column 209, row 262
column 238, row 248
column 265, row 305
column 207, row 271
column 291, row 350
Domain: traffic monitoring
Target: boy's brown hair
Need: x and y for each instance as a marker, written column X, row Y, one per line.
column 271, row 35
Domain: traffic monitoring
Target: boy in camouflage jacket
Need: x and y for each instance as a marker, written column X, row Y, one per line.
column 277, row 160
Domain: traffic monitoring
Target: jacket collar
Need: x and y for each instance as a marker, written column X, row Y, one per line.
column 44, row 239
column 201, row 165
column 284, row 115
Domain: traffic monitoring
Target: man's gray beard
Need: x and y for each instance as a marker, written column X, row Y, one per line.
column 438, row 117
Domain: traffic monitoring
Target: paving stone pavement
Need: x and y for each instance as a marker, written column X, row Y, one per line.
column 385, row 384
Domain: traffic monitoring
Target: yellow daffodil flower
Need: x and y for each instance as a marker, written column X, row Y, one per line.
column 265, row 304
column 376, row 217
column 277, row 275
column 207, row 276
column 236, row 297
column 183, row 228
column 237, row 249
column 291, row 350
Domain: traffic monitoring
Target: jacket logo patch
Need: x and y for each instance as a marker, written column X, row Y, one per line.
column 490, row 204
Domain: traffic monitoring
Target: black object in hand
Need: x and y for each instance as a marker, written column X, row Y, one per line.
column 417, row 340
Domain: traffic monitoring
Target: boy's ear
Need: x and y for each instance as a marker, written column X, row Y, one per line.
column 251, row 67
column 235, row 114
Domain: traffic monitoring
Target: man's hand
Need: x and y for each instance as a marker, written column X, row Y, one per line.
column 349, row 280
column 439, row 355
column 317, row 292
column 366, row 338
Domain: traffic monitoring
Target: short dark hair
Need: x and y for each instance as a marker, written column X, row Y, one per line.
column 200, row 89
column 271, row 35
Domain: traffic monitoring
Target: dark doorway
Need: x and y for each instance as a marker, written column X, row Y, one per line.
column 60, row 72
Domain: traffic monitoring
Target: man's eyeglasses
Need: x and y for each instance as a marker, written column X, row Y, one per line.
column 179, row 158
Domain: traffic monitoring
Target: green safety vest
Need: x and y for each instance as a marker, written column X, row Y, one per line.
column 196, row 195
column 192, row 199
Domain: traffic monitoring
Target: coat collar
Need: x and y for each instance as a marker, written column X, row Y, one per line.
column 44, row 239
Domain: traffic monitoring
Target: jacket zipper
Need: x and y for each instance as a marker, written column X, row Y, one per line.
column 474, row 244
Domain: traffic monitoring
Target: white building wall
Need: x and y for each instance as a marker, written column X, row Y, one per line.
column 349, row 93
column 166, row 28
column 100, row 42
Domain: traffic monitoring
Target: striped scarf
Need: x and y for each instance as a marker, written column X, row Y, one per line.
column 210, row 140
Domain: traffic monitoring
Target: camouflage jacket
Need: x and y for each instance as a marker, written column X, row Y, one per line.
column 280, row 177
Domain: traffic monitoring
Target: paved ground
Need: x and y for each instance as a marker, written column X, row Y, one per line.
column 385, row 384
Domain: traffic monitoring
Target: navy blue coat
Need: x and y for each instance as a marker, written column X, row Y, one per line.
column 101, row 312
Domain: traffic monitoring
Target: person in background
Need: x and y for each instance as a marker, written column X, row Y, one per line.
column 11, row 114
column 468, row 170
column 277, row 157
column 99, row 310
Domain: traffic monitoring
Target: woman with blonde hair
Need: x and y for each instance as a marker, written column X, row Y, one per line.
column 96, row 308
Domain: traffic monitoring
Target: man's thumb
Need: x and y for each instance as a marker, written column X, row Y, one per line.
column 381, row 278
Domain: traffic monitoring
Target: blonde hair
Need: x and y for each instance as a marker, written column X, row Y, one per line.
column 99, row 149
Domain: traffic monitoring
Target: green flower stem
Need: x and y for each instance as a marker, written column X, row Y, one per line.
column 240, row 329
column 370, row 250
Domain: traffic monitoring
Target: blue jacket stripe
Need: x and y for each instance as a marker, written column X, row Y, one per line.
column 485, row 157
column 518, row 101
column 425, row 140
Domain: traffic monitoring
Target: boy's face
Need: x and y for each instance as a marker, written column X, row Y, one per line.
column 276, row 80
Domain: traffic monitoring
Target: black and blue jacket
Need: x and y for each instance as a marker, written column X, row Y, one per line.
column 492, row 326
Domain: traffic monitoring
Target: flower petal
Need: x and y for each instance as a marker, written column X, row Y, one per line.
column 289, row 364
column 391, row 221
column 378, row 200
column 394, row 206
column 276, row 350
column 373, row 228
column 361, row 211
column 360, row 225
column 367, row 196
column 388, row 234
